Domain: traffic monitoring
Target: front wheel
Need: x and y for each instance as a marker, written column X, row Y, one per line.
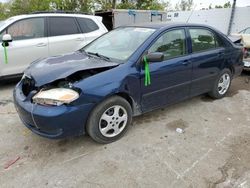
column 109, row 120
column 222, row 84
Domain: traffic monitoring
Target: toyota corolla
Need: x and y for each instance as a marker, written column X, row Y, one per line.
column 124, row 73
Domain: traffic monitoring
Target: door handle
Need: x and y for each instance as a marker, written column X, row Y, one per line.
column 41, row 45
column 186, row 62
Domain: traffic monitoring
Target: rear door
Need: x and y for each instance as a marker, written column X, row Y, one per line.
column 29, row 43
column 170, row 79
column 64, row 35
column 208, row 56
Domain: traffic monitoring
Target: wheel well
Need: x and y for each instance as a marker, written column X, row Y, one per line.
column 231, row 69
column 127, row 98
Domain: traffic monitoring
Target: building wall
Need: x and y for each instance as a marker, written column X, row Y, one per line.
column 126, row 17
column 218, row 18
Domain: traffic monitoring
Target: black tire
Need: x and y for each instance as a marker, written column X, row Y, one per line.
column 92, row 126
column 215, row 92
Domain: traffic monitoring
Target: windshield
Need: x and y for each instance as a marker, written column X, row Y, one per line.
column 120, row 43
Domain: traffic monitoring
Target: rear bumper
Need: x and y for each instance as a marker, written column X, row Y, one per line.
column 51, row 121
column 247, row 64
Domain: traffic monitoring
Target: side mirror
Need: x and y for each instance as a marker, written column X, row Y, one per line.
column 155, row 57
column 6, row 39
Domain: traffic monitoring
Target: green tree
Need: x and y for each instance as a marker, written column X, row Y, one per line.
column 184, row 5
column 17, row 7
column 27, row 6
column 4, row 11
column 150, row 5
column 227, row 5
column 218, row 6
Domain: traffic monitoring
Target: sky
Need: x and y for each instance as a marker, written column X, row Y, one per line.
column 199, row 4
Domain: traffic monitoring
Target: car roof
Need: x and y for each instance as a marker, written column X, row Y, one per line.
column 23, row 16
column 159, row 25
column 15, row 18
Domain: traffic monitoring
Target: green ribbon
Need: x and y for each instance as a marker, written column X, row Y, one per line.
column 147, row 72
column 5, row 53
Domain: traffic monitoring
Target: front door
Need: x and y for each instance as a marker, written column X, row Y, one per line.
column 29, row 43
column 170, row 79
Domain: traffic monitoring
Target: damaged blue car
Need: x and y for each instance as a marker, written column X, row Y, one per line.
column 124, row 73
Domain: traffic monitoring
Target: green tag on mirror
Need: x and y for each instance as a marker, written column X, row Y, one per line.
column 147, row 72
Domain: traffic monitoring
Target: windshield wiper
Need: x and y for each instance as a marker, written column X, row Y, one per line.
column 99, row 55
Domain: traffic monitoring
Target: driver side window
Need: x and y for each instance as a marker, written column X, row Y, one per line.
column 172, row 44
column 27, row 29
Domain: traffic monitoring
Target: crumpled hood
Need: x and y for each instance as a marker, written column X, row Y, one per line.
column 58, row 67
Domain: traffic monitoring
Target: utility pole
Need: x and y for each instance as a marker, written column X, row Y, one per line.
column 231, row 18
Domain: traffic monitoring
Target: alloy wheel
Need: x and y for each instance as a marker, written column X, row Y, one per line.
column 224, row 83
column 113, row 121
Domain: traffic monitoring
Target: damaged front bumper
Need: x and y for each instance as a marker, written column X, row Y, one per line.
column 51, row 121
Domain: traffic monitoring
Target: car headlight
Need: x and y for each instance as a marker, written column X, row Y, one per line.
column 55, row 96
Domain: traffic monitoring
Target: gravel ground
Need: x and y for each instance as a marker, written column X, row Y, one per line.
column 212, row 152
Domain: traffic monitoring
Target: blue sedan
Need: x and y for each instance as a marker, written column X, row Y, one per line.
column 124, row 73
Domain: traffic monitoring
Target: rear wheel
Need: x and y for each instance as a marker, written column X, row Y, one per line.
column 222, row 84
column 109, row 120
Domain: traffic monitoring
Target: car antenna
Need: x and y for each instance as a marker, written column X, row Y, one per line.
column 191, row 13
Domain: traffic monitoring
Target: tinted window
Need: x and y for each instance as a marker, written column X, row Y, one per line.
column 62, row 26
column 87, row 25
column 171, row 44
column 203, row 39
column 27, row 29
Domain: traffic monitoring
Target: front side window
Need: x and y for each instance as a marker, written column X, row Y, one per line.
column 172, row 44
column 59, row 26
column 203, row 39
column 27, row 29
column 87, row 25
column 120, row 43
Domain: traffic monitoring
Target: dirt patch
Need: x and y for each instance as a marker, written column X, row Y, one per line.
column 237, row 165
column 239, row 83
column 149, row 117
column 177, row 124
column 5, row 102
column 62, row 142
column 206, row 98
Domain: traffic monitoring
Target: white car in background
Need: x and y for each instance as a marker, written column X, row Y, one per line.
column 244, row 36
column 39, row 35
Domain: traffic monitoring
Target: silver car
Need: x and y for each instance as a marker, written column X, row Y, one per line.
column 36, row 36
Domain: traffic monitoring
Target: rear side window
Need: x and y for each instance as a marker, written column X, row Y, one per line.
column 27, row 29
column 203, row 39
column 87, row 25
column 62, row 26
column 172, row 44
